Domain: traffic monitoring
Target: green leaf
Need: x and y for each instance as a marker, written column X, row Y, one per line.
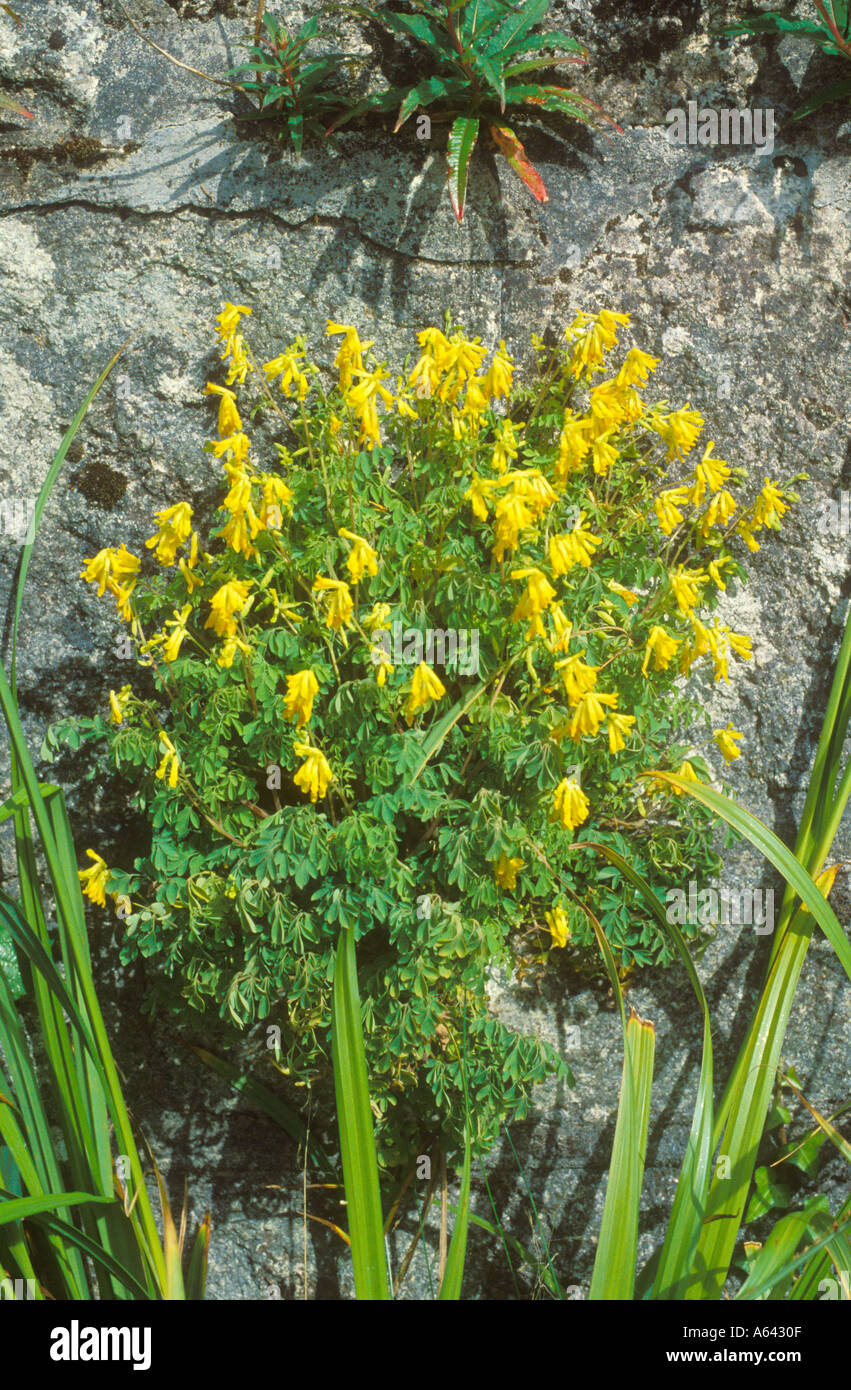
column 357, row 1138
column 462, row 142
column 837, row 91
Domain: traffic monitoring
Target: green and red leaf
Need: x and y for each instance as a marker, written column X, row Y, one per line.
column 511, row 148
column 7, row 104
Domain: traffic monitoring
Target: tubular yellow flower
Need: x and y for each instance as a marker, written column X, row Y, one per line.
column 590, row 714
column 349, row 358
column 506, row 446
column 228, row 602
column 109, row 567
column 618, row 726
column 229, row 649
column 596, row 337
column 538, row 596
column 229, row 421
column 667, row 506
column 603, row 454
column 635, row 367
column 573, row 548
column 686, row 586
column 661, row 647
column 573, row 445
column 425, row 687
column 362, row 558
column 577, row 677
column 170, row 761
column 769, row 507
column 95, row 879
column 315, row 775
column 118, row 703
column 174, row 528
column 558, row 925
column 301, row 691
column 288, row 367
column 340, row 605
column 710, row 475
column 726, row 740
column 500, row 372
column 172, row 644
column 378, row 618
column 679, row 430
column 570, row 804
column 626, row 594
column 505, row 871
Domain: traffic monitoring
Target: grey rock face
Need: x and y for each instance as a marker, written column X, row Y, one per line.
column 734, row 265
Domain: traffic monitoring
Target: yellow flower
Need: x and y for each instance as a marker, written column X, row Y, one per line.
column 378, row 618
column 301, row 690
column 229, row 421
column 685, row 770
column 679, row 430
column 229, row 649
column 383, row 667
column 228, row 330
column 573, row 445
column 340, row 605
column 635, row 367
column 314, row 775
column 725, row 738
column 710, row 475
column 626, row 594
column 288, row 367
column 769, row 507
column 506, row 446
column 425, row 687
column 500, row 372
column 505, row 871
column 558, row 925
column 118, row 703
column 95, row 879
column 229, row 318
column 172, row 645
column 109, row 567
column 362, row 558
column 562, row 629
column 667, row 506
column 538, row 596
column 603, row 454
column 618, row 726
column 577, row 678
column 573, row 548
column 719, row 511
column 661, row 647
column 362, row 398
column 478, row 494
column 686, row 586
column 175, row 527
column 590, row 714
column 596, row 337
column 227, row 602
column 235, row 447
column 349, row 359
column 512, row 516
column 170, row 761
column 570, row 804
